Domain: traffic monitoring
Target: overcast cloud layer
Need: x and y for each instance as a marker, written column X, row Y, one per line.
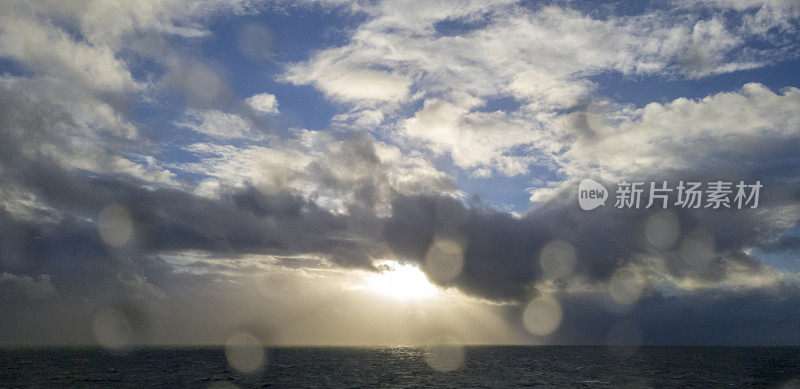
column 164, row 161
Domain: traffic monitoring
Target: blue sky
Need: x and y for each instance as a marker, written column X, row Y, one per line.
column 295, row 33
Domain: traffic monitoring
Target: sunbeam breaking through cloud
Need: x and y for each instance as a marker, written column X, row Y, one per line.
column 249, row 174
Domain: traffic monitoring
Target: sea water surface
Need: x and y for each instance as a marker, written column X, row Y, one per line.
column 482, row 366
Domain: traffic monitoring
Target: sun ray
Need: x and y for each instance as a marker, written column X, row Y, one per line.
column 402, row 281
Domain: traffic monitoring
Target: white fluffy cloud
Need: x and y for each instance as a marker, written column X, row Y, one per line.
column 540, row 57
column 353, row 84
column 72, row 53
column 720, row 131
column 472, row 138
column 34, row 34
column 338, row 173
column 263, row 102
column 219, row 124
column 676, row 135
column 46, row 47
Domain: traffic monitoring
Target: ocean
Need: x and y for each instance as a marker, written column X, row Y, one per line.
column 479, row 367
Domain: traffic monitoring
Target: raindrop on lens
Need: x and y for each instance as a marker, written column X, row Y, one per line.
column 255, row 41
column 625, row 286
column 112, row 329
column 244, row 352
column 662, row 229
column 557, row 259
column 202, row 84
column 542, row 315
column 697, row 249
column 115, row 225
column 444, row 260
column 444, row 354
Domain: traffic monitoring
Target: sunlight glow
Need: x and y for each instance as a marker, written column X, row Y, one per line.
column 402, row 281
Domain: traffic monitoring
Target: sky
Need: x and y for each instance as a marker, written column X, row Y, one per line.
column 331, row 172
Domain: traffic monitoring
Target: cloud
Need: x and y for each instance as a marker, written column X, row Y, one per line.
column 501, row 253
column 217, row 124
column 44, row 46
column 45, row 119
column 737, row 317
column 495, row 86
column 88, row 54
column 353, row 84
column 542, row 58
column 723, row 134
column 747, row 134
column 340, row 174
column 25, row 286
column 263, row 102
column 473, row 138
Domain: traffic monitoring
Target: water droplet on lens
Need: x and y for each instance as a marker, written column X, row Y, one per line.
column 444, row 260
column 557, row 259
column 115, row 225
column 626, row 286
column 112, row 329
column 444, row 354
column 697, row 249
column 661, row 230
column 255, row 42
column 245, row 353
column 542, row 316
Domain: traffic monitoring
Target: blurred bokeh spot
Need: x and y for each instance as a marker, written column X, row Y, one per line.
column 661, row 230
column 445, row 259
column 542, row 316
column 557, row 259
column 444, row 354
column 245, row 352
column 112, row 329
column 626, row 286
column 115, row 226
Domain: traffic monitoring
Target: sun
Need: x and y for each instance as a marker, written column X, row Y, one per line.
column 402, row 281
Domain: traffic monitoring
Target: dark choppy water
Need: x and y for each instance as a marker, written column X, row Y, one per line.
column 406, row 367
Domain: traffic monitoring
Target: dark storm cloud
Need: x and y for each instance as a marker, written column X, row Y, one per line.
column 501, row 255
column 704, row 317
column 166, row 219
column 56, row 271
column 501, row 262
column 172, row 220
column 55, row 265
column 85, row 274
